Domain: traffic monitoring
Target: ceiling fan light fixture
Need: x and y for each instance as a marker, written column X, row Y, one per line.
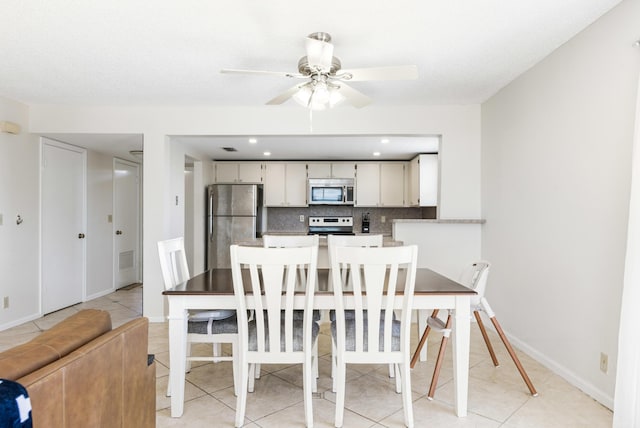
column 318, row 95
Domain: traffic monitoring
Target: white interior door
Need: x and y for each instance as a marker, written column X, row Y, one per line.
column 126, row 222
column 63, row 225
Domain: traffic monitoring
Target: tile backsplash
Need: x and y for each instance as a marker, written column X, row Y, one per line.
column 288, row 219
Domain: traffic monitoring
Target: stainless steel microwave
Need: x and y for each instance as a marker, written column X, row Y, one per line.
column 330, row 191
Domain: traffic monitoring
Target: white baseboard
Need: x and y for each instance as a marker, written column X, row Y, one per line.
column 19, row 321
column 568, row 375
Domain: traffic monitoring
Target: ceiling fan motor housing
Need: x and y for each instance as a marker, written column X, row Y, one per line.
column 305, row 69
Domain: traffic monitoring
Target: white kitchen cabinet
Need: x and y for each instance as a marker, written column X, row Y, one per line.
column 331, row 170
column 392, row 181
column 380, row 184
column 319, row 170
column 343, row 170
column 367, row 184
column 423, row 171
column 238, row 172
column 285, row 184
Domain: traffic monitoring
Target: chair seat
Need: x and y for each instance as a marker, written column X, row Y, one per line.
column 224, row 326
column 298, row 335
column 350, row 314
column 216, row 314
column 350, row 341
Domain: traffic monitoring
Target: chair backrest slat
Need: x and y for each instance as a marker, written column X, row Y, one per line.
column 173, row 262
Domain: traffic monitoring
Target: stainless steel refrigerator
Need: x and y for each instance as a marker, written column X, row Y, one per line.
column 234, row 214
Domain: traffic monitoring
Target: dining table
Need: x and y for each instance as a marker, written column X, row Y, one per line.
column 213, row 289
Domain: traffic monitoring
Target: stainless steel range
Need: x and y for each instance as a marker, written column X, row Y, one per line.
column 331, row 226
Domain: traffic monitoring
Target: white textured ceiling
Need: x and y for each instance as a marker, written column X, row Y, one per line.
column 170, row 52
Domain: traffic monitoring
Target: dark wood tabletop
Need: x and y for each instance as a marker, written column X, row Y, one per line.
column 220, row 282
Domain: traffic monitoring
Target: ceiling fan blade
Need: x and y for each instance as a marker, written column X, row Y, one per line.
column 284, row 96
column 268, row 73
column 400, row 72
column 354, row 97
column 319, row 53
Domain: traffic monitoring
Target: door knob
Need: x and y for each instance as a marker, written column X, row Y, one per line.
column 118, row 232
column 80, row 235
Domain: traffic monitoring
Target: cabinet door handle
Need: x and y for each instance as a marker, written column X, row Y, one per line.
column 118, row 232
column 80, row 235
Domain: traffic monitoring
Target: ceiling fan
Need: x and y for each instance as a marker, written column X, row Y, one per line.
column 324, row 84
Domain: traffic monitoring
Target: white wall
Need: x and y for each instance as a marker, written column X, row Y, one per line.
column 458, row 125
column 556, row 150
column 19, row 194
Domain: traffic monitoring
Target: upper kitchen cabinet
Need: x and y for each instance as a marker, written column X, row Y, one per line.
column 423, row 172
column 331, row 170
column 238, row 172
column 380, row 184
column 392, row 179
column 285, row 184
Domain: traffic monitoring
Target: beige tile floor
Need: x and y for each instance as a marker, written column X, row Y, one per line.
column 497, row 396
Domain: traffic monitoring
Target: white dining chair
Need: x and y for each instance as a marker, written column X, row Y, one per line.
column 381, row 278
column 475, row 277
column 295, row 241
column 215, row 326
column 365, row 241
column 272, row 276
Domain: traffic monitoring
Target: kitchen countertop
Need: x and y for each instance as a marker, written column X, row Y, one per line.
column 441, row 221
column 387, row 241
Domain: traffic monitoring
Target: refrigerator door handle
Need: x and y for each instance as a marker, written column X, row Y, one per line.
column 210, row 216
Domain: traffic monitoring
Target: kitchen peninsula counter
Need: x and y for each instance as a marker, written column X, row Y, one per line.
column 446, row 246
column 439, row 221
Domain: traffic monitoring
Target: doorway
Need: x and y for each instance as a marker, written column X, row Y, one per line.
column 63, row 224
column 126, row 222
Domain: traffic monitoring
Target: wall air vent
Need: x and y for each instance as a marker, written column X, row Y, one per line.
column 229, row 149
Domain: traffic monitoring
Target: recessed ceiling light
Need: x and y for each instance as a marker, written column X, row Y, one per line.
column 267, row 153
column 253, row 140
column 376, row 153
column 384, row 140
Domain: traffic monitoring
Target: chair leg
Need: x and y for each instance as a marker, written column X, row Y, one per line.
column 235, row 368
column 340, row 381
column 485, row 336
column 252, row 377
column 333, row 366
column 314, row 367
column 423, row 340
column 241, row 399
column 308, row 380
column 217, row 349
column 514, row 357
column 404, row 373
column 398, row 377
column 436, row 370
column 392, row 371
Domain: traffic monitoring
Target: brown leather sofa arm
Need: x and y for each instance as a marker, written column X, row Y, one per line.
column 105, row 383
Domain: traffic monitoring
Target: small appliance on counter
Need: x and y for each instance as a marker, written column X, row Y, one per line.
column 365, row 223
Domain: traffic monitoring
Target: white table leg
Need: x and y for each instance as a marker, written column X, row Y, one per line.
column 461, row 329
column 177, row 354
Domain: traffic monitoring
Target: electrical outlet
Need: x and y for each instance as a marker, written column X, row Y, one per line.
column 383, row 219
column 301, row 218
column 604, row 362
column 5, row 302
